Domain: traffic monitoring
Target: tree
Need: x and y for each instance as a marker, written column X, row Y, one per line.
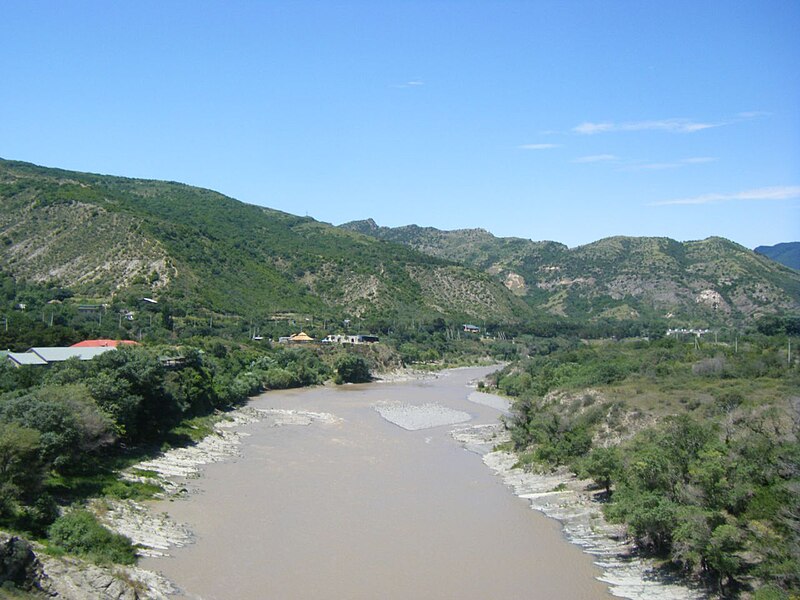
column 602, row 466
column 351, row 368
column 69, row 422
column 21, row 472
column 722, row 553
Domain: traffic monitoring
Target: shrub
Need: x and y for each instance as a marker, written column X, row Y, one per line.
column 351, row 368
column 80, row 533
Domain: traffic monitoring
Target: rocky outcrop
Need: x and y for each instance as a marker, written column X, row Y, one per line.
column 74, row 579
column 18, row 563
column 28, row 568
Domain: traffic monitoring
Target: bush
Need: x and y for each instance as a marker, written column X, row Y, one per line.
column 80, row 533
column 21, row 472
column 351, row 368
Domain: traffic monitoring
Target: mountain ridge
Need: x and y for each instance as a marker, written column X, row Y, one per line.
column 786, row 253
column 619, row 277
column 105, row 235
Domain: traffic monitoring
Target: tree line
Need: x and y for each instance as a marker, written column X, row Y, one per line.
column 693, row 447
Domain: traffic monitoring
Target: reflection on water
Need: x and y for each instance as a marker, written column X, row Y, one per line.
column 363, row 508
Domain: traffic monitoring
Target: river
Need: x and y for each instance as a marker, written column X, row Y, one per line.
column 361, row 508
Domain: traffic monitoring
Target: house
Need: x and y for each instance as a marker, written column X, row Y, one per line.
column 21, row 359
column 471, row 328
column 172, row 362
column 89, row 308
column 48, row 355
column 103, row 343
column 684, row 331
column 297, row 338
column 60, row 354
column 350, row 339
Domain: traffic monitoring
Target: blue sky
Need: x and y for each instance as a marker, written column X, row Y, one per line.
column 560, row 120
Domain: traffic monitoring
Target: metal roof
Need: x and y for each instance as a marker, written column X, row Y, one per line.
column 61, row 354
column 26, row 358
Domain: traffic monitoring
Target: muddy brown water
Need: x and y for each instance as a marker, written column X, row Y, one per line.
column 363, row 509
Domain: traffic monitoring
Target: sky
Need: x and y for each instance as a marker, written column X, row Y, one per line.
column 548, row 120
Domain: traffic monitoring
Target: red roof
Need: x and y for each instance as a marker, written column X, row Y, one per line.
column 102, row 343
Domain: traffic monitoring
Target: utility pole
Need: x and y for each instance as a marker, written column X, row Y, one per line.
column 789, row 354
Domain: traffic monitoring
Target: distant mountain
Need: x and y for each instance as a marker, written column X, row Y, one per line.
column 787, row 254
column 103, row 236
column 713, row 280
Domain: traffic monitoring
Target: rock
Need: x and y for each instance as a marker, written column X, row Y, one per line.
column 154, row 534
column 65, row 578
column 18, row 562
column 74, row 579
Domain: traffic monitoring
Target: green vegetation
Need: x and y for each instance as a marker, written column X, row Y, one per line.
column 206, row 258
column 65, row 433
column 351, row 368
column 80, row 533
column 623, row 279
column 694, row 445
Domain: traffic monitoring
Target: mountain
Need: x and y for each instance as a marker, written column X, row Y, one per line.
column 102, row 236
column 787, row 253
column 707, row 281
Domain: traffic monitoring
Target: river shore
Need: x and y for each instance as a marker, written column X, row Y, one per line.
column 576, row 504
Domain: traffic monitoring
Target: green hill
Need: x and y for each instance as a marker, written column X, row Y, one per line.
column 621, row 278
column 787, row 253
column 103, row 236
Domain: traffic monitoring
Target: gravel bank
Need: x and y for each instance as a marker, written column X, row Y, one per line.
column 425, row 416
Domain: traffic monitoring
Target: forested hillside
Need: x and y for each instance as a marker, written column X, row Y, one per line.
column 711, row 281
column 102, row 237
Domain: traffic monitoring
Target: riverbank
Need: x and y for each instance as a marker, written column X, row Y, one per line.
column 155, row 534
column 577, row 505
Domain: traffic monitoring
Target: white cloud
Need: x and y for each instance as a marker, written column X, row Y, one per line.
column 753, row 114
column 596, row 158
column 592, row 128
column 786, row 192
column 698, row 160
column 669, row 125
column 410, row 84
column 538, row 146
column 695, row 160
